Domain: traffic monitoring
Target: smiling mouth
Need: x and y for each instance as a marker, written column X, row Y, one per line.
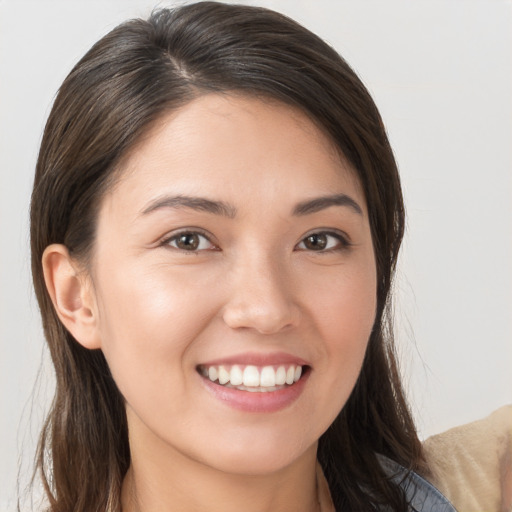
column 253, row 378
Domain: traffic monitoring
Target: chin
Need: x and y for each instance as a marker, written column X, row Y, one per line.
column 260, row 455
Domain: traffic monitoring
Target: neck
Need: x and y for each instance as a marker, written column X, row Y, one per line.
column 164, row 480
column 228, row 494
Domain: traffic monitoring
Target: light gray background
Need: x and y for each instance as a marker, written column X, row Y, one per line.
column 441, row 74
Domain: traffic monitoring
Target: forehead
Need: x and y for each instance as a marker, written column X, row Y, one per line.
column 234, row 143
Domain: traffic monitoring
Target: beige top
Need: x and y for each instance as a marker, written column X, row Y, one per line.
column 472, row 464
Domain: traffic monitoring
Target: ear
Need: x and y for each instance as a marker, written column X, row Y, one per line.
column 72, row 295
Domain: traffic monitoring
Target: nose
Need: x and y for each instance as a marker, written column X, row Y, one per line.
column 261, row 298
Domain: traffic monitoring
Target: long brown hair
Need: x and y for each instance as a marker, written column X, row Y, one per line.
column 129, row 79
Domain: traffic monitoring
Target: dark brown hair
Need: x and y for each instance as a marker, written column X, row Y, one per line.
column 127, row 81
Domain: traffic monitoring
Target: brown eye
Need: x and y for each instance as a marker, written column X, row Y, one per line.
column 189, row 241
column 316, row 242
column 323, row 241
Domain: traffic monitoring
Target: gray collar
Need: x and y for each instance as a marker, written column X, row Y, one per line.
column 421, row 495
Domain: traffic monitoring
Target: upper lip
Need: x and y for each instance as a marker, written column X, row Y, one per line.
column 258, row 359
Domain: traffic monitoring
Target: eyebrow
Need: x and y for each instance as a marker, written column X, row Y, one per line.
column 195, row 203
column 227, row 210
column 321, row 203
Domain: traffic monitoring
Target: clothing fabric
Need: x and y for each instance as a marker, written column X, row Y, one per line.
column 472, row 463
column 421, row 495
column 470, row 470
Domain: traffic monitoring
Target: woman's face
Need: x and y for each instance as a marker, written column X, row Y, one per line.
column 232, row 258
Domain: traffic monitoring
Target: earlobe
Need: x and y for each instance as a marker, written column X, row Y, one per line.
column 72, row 296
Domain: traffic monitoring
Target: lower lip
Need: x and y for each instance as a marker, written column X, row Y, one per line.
column 254, row 401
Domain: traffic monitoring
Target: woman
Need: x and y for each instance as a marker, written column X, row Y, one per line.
column 215, row 223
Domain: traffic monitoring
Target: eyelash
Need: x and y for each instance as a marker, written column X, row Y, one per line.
column 342, row 241
column 175, row 236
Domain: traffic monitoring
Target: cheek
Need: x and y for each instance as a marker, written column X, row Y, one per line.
column 149, row 324
column 345, row 310
column 153, row 303
column 345, row 315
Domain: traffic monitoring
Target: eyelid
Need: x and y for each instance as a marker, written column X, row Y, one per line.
column 166, row 239
column 342, row 236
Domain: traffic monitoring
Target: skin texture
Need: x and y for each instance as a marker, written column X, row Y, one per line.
column 252, row 287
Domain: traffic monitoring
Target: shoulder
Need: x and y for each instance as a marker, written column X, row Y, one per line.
column 472, row 463
column 421, row 495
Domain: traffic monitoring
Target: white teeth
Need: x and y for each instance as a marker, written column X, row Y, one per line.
column 253, row 378
column 280, row 376
column 236, row 377
column 212, row 373
column 223, row 375
column 290, row 375
column 268, row 377
column 259, row 389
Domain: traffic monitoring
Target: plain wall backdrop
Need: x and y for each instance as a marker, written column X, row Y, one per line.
column 441, row 74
